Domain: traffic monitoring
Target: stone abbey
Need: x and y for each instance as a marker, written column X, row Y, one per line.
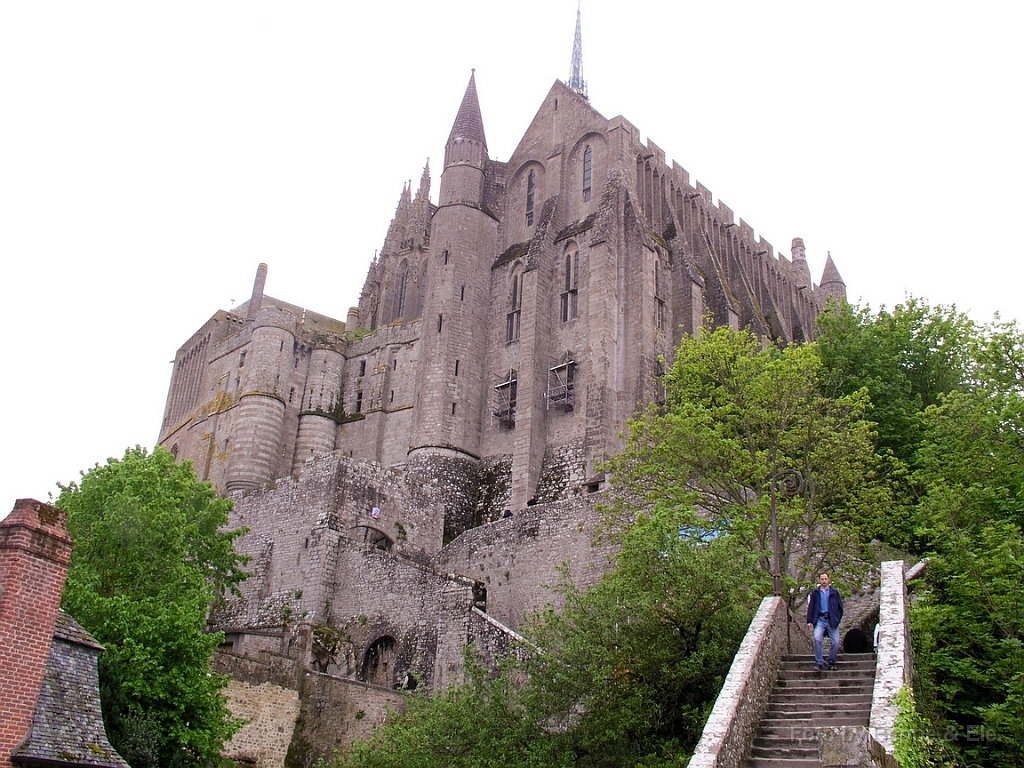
column 503, row 336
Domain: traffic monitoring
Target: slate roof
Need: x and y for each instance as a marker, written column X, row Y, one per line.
column 67, row 727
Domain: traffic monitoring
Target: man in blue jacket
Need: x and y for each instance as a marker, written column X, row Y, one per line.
column 824, row 612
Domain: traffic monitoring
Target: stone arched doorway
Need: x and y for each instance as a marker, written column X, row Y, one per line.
column 378, row 666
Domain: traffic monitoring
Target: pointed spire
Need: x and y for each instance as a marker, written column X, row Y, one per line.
column 576, row 81
column 831, row 281
column 468, row 123
column 424, row 191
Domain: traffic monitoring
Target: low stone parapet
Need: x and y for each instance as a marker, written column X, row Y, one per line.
column 729, row 731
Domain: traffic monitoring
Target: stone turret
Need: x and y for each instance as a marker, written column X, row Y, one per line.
column 465, row 154
column 801, row 271
column 450, row 400
column 320, row 401
column 831, row 281
column 264, row 368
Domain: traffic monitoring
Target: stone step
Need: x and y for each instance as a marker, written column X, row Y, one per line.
column 787, row 750
column 782, row 762
column 806, row 727
column 853, row 662
column 828, row 685
column 845, row 672
column 791, row 708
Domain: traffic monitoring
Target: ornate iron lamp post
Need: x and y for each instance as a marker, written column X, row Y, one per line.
column 790, row 482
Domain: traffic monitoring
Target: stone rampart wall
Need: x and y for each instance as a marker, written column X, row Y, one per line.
column 269, row 712
column 517, row 558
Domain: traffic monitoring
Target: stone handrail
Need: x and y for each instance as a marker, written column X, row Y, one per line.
column 893, row 661
column 744, row 697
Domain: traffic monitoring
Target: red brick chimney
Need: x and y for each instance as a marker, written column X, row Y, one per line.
column 34, row 552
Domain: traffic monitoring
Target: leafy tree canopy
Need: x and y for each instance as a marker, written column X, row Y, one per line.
column 736, row 414
column 906, row 358
column 968, row 624
column 149, row 557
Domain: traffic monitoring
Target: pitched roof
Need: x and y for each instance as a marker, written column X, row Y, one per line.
column 67, row 727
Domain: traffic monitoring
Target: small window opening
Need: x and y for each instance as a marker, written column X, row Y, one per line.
column 453, row 409
column 456, row 367
column 462, row 293
column 392, row 398
column 359, row 401
column 241, row 360
column 440, row 322
column 291, row 394
column 362, row 367
column 445, row 254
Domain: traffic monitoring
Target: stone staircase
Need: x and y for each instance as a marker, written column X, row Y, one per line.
column 804, row 700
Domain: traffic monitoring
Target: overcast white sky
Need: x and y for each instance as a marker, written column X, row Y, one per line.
column 152, row 154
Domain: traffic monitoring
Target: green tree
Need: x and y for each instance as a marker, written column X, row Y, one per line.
column 906, row 358
column 149, row 557
column 737, row 413
column 624, row 674
column 968, row 623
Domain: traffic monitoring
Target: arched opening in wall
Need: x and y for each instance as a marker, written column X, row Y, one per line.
column 378, row 666
column 373, row 537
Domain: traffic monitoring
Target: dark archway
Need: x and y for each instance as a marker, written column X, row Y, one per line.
column 373, row 537
column 378, row 666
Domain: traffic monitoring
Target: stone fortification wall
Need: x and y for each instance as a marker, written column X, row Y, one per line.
column 270, row 713
column 298, row 715
column 517, row 558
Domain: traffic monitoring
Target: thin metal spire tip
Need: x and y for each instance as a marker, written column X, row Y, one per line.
column 576, row 81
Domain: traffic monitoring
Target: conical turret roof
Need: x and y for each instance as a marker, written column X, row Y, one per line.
column 468, row 123
column 830, row 275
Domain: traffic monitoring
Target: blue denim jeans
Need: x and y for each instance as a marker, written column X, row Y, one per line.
column 819, row 636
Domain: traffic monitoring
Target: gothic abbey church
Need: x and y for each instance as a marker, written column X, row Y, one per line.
column 503, row 337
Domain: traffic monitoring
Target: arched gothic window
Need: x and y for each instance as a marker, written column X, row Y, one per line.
column 515, row 307
column 659, row 297
column 531, row 188
column 403, row 285
column 588, row 159
column 571, row 285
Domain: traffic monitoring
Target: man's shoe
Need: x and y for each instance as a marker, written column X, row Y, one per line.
column 820, row 667
column 832, row 667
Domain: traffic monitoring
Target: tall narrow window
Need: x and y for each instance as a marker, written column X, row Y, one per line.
column 359, row 401
column 515, row 307
column 403, row 284
column 531, row 184
column 423, row 291
column 588, row 159
column 570, row 294
column 659, row 300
